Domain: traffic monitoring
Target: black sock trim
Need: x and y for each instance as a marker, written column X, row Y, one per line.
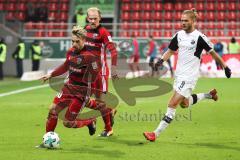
column 167, row 119
column 194, row 96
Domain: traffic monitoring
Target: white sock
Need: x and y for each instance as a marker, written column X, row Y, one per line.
column 193, row 99
column 200, row 96
column 165, row 121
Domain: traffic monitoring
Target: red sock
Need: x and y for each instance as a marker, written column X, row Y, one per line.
column 106, row 116
column 105, row 112
column 51, row 122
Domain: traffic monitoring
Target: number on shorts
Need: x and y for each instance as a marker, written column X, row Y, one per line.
column 181, row 86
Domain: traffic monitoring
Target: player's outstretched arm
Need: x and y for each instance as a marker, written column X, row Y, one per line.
column 57, row 72
column 222, row 63
column 46, row 77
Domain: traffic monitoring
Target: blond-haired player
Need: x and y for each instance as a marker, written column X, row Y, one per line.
column 190, row 43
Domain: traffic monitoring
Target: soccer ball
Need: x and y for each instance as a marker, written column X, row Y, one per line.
column 51, row 140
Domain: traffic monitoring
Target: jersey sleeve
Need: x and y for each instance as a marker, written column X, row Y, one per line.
column 174, row 43
column 205, row 42
column 107, row 40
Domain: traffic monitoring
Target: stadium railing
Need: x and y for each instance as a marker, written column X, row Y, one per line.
column 126, row 29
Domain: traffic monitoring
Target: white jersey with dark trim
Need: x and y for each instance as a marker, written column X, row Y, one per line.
column 190, row 47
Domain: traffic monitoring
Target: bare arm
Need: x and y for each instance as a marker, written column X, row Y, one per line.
column 167, row 54
column 215, row 56
column 63, row 68
column 165, row 57
column 218, row 58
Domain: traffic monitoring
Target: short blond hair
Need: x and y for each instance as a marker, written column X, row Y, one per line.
column 79, row 31
column 192, row 13
column 94, row 9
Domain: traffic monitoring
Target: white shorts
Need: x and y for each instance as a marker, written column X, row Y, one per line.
column 183, row 87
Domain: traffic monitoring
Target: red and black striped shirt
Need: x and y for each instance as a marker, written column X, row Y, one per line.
column 98, row 41
column 83, row 67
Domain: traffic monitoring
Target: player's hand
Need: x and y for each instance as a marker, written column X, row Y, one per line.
column 228, row 72
column 159, row 63
column 114, row 72
column 46, row 77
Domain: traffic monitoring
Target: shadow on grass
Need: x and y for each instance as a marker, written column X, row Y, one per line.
column 217, row 146
column 95, row 151
column 209, row 145
column 127, row 142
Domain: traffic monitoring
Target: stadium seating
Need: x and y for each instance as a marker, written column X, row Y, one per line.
column 20, row 16
column 10, row 16
column 179, row 6
column 15, row 10
column 52, row 7
column 40, row 33
column 215, row 18
column 2, row 6
column 10, row 7
column 22, row 7
column 138, row 17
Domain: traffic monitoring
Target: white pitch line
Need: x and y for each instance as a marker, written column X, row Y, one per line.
column 23, row 90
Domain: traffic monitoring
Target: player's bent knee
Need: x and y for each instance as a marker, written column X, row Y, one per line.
column 100, row 104
column 173, row 104
column 52, row 109
column 184, row 103
column 68, row 124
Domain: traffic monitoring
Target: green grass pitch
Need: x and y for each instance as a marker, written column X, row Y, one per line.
column 209, row 131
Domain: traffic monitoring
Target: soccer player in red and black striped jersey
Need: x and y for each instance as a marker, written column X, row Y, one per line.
column 83, row 68
column 98, row 41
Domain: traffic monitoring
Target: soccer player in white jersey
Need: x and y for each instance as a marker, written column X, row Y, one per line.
column 190, row 43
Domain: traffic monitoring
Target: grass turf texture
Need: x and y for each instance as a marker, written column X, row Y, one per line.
column 209, row 131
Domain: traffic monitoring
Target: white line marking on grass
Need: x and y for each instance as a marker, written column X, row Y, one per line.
column 23, row 90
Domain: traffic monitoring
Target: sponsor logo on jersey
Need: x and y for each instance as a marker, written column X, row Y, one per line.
column 192, row 42
column 72, row 69
column 89, row 44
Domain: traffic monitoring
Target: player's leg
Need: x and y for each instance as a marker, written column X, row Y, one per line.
column 136, row 64
column 100, row 88
column 106, row 113
column 182, row 90
column 71, row 114
column 195, row 98
column 169, row 116
column 157, row 70
column 52, row 118
column 137, row 68
column 131, row 67
column 151, row 65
